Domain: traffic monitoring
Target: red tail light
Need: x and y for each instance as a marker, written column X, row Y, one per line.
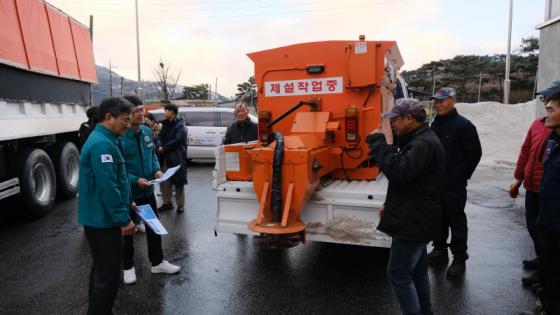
column 351, row 124
column 264, row 132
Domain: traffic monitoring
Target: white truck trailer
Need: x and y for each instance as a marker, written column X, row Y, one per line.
column 46, row 68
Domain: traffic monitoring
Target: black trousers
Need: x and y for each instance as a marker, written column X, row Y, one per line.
column 155, row 252
column 549, row 273
column 531, row 214
column 454, row 218
column 106, row 247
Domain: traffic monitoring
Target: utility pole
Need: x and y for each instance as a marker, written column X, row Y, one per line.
column 479, row 86
column 508, row 56
column 216, row 90
column 139, row 83
column 434, row 83
column 91, row 38
column 111, row 78
column 122, row 82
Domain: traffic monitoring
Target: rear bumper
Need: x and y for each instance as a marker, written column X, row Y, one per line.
column 339, row 212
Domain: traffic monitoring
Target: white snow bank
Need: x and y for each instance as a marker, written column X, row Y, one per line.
column 501, row 128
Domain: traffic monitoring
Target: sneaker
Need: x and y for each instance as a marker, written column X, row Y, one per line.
column 180, row 209
column 538, row 310
column 129, row 276
column 141, row 228
column 532, row 264
column 165, row 207
column 457, row 268
column 165, row 267
column 530, row 280
column 438, row 255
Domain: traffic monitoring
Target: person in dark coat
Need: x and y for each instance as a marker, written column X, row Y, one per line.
column 529, row 171
column 173, row 152
column 463, row 152
column 411, row 214
column 548, row 220
column 87, row 127
column 243, row 129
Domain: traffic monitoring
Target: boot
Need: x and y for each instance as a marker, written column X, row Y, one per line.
column 166, row 207
column 530, row 280
column 532, row 264
column 437, row 255
column 457, row 268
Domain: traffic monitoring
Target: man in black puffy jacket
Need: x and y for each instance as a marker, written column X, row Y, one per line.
column 243, row 129
column 463, row 152
column 411, row 214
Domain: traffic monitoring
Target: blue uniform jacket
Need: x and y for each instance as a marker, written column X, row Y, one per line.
column 141, row 159
column 104, row 190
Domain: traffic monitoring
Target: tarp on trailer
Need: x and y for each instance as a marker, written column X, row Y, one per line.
column 38, row 37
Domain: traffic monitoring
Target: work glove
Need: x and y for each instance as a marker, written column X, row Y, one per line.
column 514, row 188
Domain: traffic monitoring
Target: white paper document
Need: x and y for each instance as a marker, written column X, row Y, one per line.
column 147, row 214
column 170, row 172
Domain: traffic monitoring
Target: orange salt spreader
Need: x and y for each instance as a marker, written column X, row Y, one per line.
column 317, row 102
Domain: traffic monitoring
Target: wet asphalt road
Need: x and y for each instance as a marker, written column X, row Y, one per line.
column 44, row 265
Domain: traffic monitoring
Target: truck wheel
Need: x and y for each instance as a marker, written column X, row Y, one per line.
column 37, row 182
column 66, row 159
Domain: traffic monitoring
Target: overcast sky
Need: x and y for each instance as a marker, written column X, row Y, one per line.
column 210, row 39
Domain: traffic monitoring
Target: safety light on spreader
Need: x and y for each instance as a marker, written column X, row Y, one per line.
column 351, row 124
column 264, row 131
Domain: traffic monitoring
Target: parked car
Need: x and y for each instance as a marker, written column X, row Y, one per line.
column 207, row 128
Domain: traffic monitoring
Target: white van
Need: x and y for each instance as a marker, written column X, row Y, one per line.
column 206, row 127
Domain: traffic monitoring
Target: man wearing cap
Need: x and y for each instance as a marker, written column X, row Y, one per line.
column 548, row 220
column 462, row 154
column 411, row 214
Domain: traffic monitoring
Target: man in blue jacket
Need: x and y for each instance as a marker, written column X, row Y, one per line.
column 142, row 166
column 105, row 201
column 548, row 220
column 462, row 154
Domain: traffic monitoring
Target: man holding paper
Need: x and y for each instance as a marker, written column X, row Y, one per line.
column 142, row 165
column 173, row 152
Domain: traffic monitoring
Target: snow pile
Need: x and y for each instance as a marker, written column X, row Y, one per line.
column 501, row 128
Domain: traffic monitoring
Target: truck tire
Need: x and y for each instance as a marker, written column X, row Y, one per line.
column 66, row 159
column 37, row 182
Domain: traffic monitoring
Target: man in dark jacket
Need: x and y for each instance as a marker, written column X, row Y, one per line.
column 548, row 220
column 87, row 127
column 462, row 154
column 243, row 129
column 411, row 214
column 173, row 152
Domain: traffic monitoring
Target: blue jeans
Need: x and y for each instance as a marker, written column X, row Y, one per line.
column 408, row 275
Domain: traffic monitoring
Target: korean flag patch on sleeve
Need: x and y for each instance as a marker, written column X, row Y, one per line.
column 106, row 158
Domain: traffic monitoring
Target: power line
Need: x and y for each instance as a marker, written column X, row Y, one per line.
column 146, row 9
column 256, row 14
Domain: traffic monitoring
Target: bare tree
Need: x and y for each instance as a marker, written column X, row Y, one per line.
column 166, row 79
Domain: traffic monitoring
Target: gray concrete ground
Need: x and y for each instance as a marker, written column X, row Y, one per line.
column 44, row 265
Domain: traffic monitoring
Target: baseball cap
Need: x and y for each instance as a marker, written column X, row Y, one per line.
column 551, row 88
column 405, row 106
column 443, row 93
